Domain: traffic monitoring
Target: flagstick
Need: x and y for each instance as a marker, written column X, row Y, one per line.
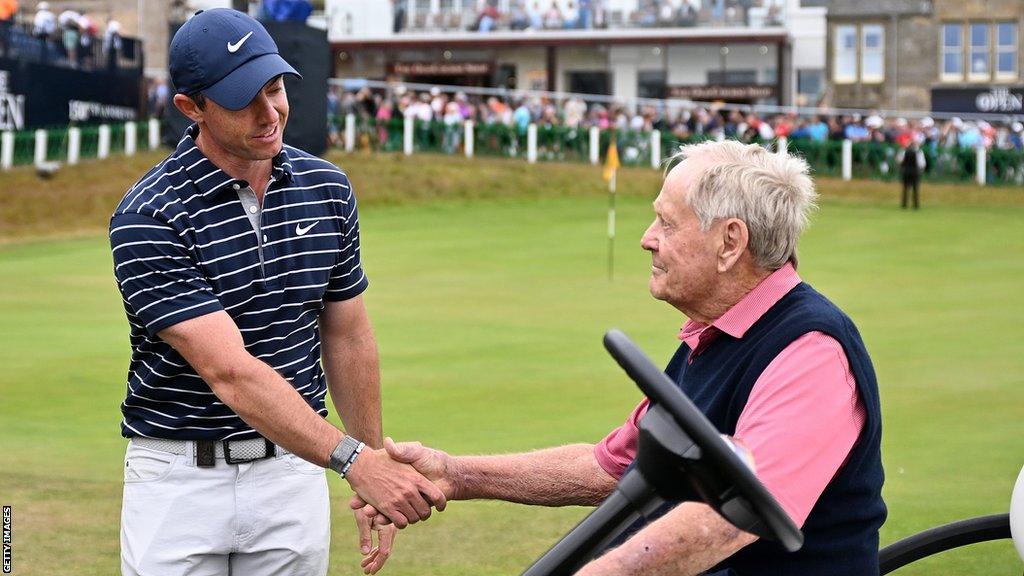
column 611, row 226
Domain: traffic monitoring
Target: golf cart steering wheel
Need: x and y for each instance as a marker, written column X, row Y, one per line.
column 680, row 457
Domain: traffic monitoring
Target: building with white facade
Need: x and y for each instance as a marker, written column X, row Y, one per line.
column 748, row 51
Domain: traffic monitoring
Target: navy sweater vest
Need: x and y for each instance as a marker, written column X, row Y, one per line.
column 841, row 532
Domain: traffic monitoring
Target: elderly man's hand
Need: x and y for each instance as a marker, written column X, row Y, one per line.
column 434, row 465
column 395, row 489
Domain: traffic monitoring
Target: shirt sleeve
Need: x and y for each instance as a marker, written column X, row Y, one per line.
column 347, row 278
column 802, row 418
column 156, row 273
column 618, row 449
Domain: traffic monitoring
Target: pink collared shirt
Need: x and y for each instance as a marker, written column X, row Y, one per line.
column 802, row 417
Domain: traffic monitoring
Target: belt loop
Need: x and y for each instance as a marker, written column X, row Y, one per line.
column 190, row 453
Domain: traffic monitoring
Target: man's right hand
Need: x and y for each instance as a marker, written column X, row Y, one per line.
column 394, row 488
column 435, row 465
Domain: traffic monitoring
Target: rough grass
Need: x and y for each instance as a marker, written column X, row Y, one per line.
column 489, row 295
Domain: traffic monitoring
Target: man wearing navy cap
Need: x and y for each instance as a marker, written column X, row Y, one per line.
column 238, row 261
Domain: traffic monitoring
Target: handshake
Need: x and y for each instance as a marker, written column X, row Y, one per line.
column 401, row 483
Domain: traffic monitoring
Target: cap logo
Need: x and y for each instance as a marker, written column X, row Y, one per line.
column 232, row 48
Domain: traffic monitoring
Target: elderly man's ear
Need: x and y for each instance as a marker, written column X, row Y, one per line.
column 734, row 238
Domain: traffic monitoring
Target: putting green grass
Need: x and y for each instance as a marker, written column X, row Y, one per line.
column 489, row 314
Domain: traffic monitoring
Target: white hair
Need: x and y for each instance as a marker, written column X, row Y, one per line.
column 772, row 193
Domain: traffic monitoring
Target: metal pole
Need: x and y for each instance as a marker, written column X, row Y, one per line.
column 531, row 143
column 74, row 144
column 469, row 138
column 350, row 132
column 847, row 159
column 595, row 145
column 656, row 149
column 7, row 150
column 611, row 225
column 981, row 158
column 407, row 127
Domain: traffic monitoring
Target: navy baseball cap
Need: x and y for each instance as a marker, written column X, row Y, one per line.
column 225, row 55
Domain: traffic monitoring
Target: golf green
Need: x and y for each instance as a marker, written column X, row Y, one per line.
column 489, row 315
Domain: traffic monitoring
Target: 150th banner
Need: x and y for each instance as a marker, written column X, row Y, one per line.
column 36, row 95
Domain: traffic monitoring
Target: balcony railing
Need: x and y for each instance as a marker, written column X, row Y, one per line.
column 417, row 16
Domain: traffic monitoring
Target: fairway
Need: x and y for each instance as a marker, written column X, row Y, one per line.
column 489, row 314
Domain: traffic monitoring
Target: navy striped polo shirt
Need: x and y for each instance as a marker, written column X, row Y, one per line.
column 188, row 240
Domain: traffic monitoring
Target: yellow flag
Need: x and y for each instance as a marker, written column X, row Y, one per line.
column 611, row 162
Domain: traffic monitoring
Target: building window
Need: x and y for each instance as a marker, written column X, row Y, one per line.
column 952, row 51
column 845, row 64
column 1006, row 51
column 872, row 56
column 651, row 84
column 809, row 84
column 732, row 77
column 979, row 53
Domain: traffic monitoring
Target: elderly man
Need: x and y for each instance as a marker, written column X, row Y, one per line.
column 768, row 360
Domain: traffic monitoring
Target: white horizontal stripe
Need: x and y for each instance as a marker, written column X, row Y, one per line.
column 172, row 297
column 141, row 276
column 147, row 243
column 310, row 203
column 186, row 309
column 305, row 326
column 300, row 220
column 281, row 291
column 147, row 258
column 131, row 226
column 266, row 326
column 151, row 387
column 170, row 376
column 349, row 287
column 281, row 307
column 221, row 222
column 315, row 170
column 270, row 279
column 288, row 349
column 248, row 232
column 128, row 426
column 161, row 193
column 137, row 292
column 296, row 361
column 159, row 173
column 307, row 236
column 151, row 423
column 232, row 255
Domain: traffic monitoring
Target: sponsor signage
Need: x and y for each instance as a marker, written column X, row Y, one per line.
column 441, row 68
column 722, row 92
column 36, row 95
column 989, row 100
column 12, row 106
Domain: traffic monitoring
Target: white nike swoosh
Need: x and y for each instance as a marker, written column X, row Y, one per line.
column 234, row 47
column 299, row 230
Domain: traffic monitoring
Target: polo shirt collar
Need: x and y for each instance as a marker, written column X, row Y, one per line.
column 208, row 178
column 738, row 319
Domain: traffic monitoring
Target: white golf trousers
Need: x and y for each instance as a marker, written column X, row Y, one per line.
column 267, row 517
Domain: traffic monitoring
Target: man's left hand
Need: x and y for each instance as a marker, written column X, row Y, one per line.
column 374, row 557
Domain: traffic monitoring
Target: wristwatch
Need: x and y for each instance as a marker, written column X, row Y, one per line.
column 344, row 454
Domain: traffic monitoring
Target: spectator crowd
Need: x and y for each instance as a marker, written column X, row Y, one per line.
column 380, row 107
column 584, row 14
column 70, row 38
